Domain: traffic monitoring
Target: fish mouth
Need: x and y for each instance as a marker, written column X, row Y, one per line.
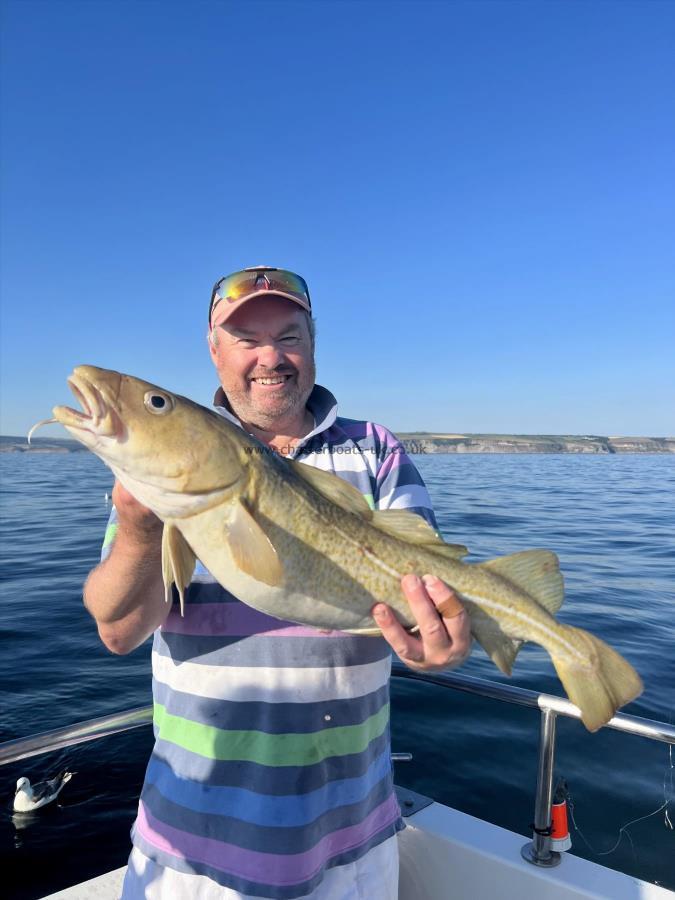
column 99, row 416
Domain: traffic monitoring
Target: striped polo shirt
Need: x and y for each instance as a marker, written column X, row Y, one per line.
column 272, row 758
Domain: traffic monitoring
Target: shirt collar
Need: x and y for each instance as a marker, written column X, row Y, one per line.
column 321, row 403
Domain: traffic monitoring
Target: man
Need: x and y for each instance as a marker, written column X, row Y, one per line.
column 270, row 776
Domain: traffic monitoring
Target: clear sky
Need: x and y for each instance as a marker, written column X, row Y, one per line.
column 479, row 194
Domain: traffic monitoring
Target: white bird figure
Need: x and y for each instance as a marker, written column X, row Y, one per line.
column 29, row 797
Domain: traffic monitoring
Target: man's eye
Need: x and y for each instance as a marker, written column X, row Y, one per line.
column 290, row 340
column 246, row 342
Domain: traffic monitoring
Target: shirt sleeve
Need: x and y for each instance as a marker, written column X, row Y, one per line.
column 110, row 532
column 398, row 484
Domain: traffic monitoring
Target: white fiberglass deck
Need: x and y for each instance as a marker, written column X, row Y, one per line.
column 448, row 855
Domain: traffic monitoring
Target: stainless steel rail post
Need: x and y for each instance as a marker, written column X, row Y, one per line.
column 538, row 850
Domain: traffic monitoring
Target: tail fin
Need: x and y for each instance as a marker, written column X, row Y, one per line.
column 602, row 684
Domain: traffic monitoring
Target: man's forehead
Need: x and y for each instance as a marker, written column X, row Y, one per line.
column 265, row 314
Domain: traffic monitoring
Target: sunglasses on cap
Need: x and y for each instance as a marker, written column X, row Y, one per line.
column 255, row 282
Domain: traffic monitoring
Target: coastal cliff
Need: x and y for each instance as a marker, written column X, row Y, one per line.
column 431, row 442
column 13, row 444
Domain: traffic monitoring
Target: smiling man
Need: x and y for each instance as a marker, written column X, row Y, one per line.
column 263, row 349
column 271, row 773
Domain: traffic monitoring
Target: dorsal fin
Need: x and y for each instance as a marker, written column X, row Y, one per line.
column 537, row 572
column 333, row 488
column 398, row 523
column 410, row 527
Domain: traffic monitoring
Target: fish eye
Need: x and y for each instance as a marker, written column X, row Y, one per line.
column 158, row 402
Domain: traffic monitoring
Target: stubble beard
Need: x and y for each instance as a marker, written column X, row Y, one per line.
column 290, row 404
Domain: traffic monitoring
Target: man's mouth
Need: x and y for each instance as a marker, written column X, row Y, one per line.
column 271, row 379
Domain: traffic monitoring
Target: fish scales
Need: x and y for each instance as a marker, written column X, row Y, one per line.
column 307, row 530
column 345, row 558
column 302, row 545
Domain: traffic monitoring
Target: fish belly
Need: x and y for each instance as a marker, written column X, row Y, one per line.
column 314, row 591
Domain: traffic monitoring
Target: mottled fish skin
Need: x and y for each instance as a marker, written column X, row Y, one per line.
column 302, row 545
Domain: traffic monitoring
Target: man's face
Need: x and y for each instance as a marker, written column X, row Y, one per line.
column 265, row 361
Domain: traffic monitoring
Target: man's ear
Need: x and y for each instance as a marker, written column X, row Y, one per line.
column 211, row 341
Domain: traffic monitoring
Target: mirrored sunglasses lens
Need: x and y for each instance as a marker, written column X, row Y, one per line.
column 234, row 287
column 288, row 282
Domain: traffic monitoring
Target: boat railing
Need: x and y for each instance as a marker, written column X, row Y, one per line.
column 538, row 851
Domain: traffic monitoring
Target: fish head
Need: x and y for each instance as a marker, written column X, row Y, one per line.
column 172, row 454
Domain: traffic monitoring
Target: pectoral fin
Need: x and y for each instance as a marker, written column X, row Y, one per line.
column 178, row 562
column 251, row 549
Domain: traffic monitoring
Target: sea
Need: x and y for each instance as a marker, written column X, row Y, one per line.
column 610, row 518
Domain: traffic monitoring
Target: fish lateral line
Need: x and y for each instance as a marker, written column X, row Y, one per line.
column 487, row 603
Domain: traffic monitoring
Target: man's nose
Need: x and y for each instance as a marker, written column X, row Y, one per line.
column 270, row 355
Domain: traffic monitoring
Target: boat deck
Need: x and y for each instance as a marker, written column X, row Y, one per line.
column 449, row 855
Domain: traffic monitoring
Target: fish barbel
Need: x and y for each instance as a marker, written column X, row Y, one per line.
column 302, row 545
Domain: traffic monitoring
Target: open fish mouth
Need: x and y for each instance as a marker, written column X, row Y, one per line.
column 98, row 416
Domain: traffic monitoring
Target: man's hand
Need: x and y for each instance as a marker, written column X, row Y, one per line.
column 444, row 639
column 125, row 593
column 134, row 518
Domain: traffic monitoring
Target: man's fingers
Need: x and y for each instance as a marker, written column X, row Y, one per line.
column 432, row 629
column 444, row 626
column 455, row 617
column 404, row 645
column 445, row 599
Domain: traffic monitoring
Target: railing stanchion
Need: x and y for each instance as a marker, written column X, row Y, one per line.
column 538, row 850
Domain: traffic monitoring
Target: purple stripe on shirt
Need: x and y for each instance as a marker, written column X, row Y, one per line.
column 357, row 431
column 361, row 431
column 382, row 435
column 279, row 869
column 235, row 620
column 391, row 463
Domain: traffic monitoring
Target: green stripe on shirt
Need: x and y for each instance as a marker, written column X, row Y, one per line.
column 110, row 533
column 269, row 749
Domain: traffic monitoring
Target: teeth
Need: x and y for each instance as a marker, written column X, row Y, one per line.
column 269, row 380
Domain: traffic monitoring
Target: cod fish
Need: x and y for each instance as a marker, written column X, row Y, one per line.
column 302, row 545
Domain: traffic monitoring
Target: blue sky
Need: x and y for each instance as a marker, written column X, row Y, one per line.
column 479, row 194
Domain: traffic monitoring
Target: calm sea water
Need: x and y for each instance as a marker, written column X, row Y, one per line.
column 611, row 520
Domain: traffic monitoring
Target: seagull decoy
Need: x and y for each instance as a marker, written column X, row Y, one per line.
column 29, row 797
